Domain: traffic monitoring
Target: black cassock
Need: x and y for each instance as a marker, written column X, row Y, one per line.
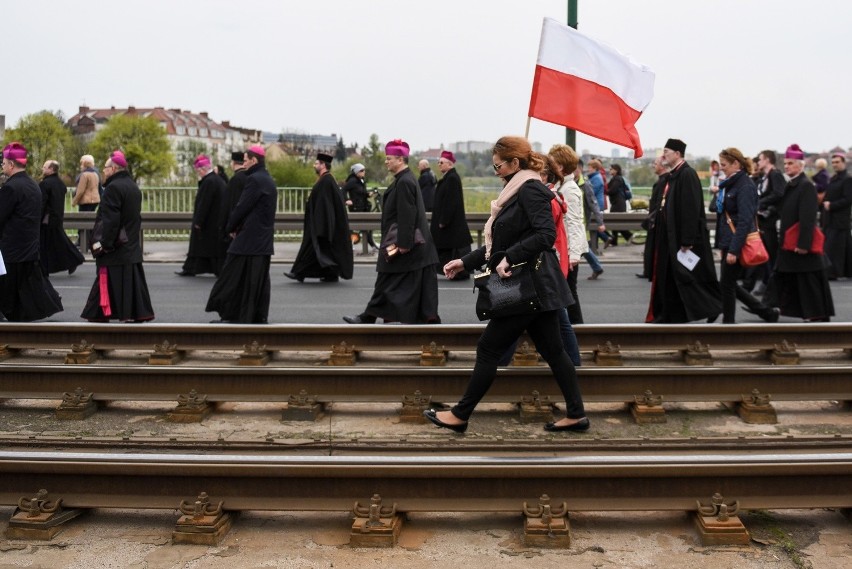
column 205, row 250
column 326, row 250
column 56, row 252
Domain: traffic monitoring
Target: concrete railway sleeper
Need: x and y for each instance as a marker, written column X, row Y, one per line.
column 609, row 344
column 51, row 488
column 306, row 390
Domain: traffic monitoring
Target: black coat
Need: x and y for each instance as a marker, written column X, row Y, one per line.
column 741, row 205
column 253, row 218
column 616, row 190
column 204, row 239
column 427, row 183
column 326, row 248
column 355, row 190
column 682, row 222
column 799, row 205
column 56, row 252
column 121, row 206
column 53, row 192
column 839, row 195
column 771, row 197
column 402, row 204
column 449, row 226
column 20, row 218
column 522, row 230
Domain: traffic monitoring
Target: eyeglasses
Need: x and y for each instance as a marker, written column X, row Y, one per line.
column 498, row 166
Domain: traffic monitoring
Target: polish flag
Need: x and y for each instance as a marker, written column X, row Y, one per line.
column 588, row 86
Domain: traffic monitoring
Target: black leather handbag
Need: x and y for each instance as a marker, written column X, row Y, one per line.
column 511, row 296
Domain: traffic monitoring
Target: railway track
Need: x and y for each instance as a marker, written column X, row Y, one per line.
column 287, row 338
column 713, row 484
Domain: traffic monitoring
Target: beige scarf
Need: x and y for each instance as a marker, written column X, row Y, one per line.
column 508, row 191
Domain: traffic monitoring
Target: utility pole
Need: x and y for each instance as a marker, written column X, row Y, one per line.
column 571, row 134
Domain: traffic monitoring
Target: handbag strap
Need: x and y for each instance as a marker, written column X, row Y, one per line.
column 731, row 223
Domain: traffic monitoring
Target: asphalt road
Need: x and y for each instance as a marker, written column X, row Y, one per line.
column 616, row 297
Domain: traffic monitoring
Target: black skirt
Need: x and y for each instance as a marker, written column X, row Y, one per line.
column 242, row 291
column 56, row 252
column 409, row 298
column 26, row 295
column 201, row 265
column 801, row 295
column 120, row 293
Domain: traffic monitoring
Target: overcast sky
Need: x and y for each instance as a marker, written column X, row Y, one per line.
column 747, row 73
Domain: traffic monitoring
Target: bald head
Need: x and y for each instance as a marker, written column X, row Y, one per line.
column 423, row 164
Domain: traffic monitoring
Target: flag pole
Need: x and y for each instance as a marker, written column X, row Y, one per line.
column 570, row 134
column 527, row 131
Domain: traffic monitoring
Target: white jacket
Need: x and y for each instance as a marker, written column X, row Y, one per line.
column 575, row 224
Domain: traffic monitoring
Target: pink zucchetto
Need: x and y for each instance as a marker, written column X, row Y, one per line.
column 16, row 152
column 447, row 155
column 201, row 161
column 794, row 152
column 397, row 147
column 118, row 158
column 257, row 149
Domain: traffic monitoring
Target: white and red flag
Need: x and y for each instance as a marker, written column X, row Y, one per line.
column 588, row 86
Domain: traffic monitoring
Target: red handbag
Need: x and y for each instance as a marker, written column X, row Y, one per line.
column 791, row 239
column 753, row 253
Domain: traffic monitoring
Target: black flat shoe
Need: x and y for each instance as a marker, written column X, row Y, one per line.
column 294, row 277
column 431, row 415
column 641, row 276
column 184, row 274
column 580, row 426
column 358, row 319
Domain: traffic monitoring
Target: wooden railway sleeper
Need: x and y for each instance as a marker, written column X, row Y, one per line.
column 342, row 354
column 375, row 525
column 165, row 354
column 697, row 354
column 82, row 353
column 202, row 523
column 254, row 354
column 39, row 517
column 718, row 524
column 432, row 355
column 76, row 405
column 546, row 525
column 535, row 409
column 756, row 408
column 192, row 407
column 303, row 407
column 413, row 407
column 608, row 354
column 648, row 408
column 785, row 353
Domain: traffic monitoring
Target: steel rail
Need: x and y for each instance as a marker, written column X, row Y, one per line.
column 360, row 383
column 586, row 481
column 431, row 442
column 452, row 337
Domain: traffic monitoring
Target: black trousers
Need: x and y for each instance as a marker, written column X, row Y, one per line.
column 731, row 292
column 499, row 334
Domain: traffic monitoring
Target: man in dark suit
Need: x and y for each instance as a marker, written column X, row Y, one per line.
column 406, row 287
column 242, row 291
column 770, row 191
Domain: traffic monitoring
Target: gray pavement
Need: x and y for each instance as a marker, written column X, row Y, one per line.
column 616, row 297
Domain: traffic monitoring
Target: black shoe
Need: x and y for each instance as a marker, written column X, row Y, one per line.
column 580, row 426
column 220, row 321
column 329, row 279
column 712, row 319
column 294, row 277
column 771, row 314
column 431, row 415
column 184, row 274
column 641, row 276
column 359, row 319
column 594, row 276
